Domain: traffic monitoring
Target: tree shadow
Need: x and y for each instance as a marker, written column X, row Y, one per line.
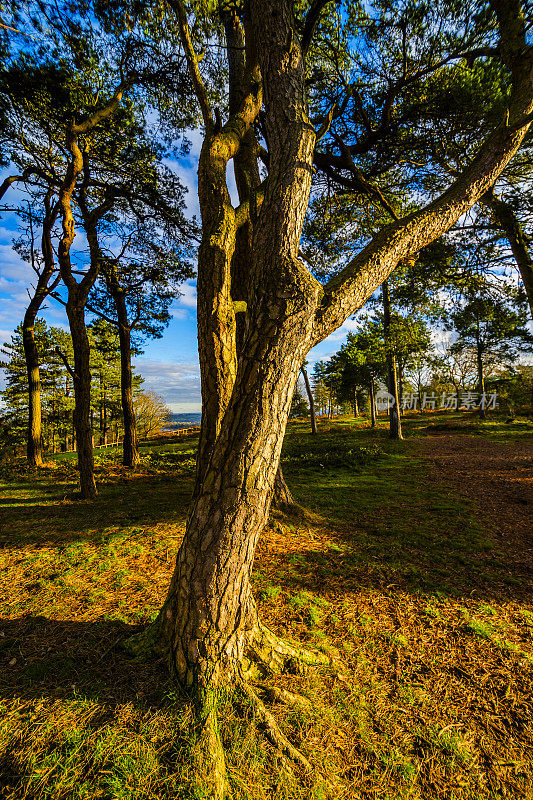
column 63, row 659
column 385, row 527
column 57, row 518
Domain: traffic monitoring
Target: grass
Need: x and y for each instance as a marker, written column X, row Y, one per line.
column 402, row 577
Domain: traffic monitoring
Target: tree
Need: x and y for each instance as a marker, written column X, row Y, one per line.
column 362, row 361
column 299, row 405
column 56, row 391
column 395, row 424
column 44, row 267
column 15, row 393
column 151, row 412
column 105, row 371
column 310, row 399
column 109, row 176
column 139, row 285
column 214, row 636
column 493, row 325
column 508, row 221
column 60, row 115
column 453, row 368
column 321, row 391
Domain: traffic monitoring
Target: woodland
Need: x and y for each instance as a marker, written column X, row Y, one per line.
column 323, row 590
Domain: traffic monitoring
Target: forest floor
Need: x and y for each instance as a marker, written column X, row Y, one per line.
column 412, row 563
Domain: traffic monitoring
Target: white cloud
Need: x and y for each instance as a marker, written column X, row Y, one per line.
column 188, row 295
column 177, row 383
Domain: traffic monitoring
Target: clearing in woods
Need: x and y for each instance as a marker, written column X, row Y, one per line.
column 412, row 563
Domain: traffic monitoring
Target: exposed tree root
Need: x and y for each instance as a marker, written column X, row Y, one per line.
column 147, row 643
column 281, row 494
column 276, row 695
column 272, row 731
column 267, row 653
column 210, row 763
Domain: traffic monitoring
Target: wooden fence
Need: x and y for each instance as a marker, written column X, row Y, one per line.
column 20, row 450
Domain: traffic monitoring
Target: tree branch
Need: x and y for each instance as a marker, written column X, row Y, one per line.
column 347, row 292
column 192, row 62
column 64, row 359
column 311, row 21
column 101, row 113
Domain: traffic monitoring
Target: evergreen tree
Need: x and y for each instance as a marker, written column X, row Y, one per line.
column 492, row 323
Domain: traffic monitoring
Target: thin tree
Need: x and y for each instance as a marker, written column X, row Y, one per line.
column 395, row 424
column 78, row 291
column 311, row 399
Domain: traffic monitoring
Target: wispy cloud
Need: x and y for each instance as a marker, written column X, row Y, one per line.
column 177, row 383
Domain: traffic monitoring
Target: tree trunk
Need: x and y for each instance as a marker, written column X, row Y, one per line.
column 239, row 251
column 35, row 438
column 506, row 219
column 101, row 408
column 481, row 381
column 34, row 443
column 400, row 381
column 82, row 400
column 395, row 425
column 372, row 404
column 210, row 632
column 355, row 403
column 311, row 401
column 130, row 452
column 281, row 494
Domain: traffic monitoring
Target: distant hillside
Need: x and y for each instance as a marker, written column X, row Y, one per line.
column 179, row 421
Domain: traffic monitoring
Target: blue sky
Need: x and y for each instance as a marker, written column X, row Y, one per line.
column 170, row 364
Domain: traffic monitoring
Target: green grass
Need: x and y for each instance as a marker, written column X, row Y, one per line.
column 401, row 577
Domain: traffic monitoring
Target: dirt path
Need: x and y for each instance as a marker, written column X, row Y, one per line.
column 498, row 479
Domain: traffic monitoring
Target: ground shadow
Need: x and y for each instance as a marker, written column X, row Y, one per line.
column 44, row 657
column 58, row 518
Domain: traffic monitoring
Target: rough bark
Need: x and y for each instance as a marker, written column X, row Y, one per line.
column 82, row 398
column 395, row 424
column 209, row 629
column 506, row 219
column 311, row 401
column 242, row 65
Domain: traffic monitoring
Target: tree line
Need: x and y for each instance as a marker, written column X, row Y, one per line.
column 482, row 342
column 55, row 392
